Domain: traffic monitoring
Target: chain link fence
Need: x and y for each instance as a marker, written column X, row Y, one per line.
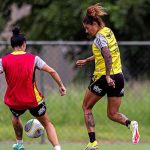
column 66, row 112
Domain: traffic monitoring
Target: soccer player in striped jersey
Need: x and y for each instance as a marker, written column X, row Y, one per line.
column 22, row 94
column 107, row 78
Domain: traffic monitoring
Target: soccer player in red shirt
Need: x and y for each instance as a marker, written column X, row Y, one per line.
column 22, row 94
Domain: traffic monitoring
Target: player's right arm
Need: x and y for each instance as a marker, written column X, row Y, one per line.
column 84, row 61
column 56, row 77
column 40, row 64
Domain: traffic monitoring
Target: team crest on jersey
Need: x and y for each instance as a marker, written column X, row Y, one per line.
column 109, row 35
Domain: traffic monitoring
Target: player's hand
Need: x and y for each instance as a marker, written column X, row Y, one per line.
column 62, row 90
column 81, row 62
column 110, row 81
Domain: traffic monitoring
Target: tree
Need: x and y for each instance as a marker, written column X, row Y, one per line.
column 130, row 21
column 59, row 20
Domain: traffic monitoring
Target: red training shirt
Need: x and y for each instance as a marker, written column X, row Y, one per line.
column 21, row 90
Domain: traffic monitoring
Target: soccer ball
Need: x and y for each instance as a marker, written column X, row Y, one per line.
column 33, row 128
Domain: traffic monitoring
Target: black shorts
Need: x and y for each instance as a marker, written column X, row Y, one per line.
column 38, row 111
column 100, row 86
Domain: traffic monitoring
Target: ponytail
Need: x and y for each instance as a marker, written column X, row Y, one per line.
column 94, row 14
column 17, row 39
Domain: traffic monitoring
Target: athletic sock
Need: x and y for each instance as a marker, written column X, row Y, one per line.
column 128, row 123
column 92, row 136
column 19, row 141
column 57, row 147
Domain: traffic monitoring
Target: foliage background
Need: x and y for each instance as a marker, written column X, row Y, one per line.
column 62, row 20
column 59, row 20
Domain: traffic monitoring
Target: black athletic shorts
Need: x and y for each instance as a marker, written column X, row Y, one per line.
column 100, row 87
column 38, row 111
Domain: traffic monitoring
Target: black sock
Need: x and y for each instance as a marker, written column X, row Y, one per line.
column 92, row 136
column 128, row 123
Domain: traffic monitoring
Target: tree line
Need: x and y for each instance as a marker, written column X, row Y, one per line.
column 62, row 20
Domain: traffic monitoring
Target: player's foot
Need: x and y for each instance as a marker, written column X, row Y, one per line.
column 135, row 132
column 18, row 147
column 92, row 146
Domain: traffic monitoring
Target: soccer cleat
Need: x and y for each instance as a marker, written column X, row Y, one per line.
column 135, row 132
column 92, row 146
column 18, row 147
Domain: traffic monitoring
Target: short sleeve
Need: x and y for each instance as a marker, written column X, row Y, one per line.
column 100, row 41
column 39, row 63
column 1, row 66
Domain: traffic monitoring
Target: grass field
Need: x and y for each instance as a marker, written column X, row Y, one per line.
column 67, row 116
column 72, row 146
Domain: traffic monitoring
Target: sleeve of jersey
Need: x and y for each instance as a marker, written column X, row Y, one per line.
column 39, row 63
column 1, row 67
column 100, row 41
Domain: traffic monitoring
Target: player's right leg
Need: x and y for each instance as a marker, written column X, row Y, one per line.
column 90, row 100
column 50, row 130
column 40, row 113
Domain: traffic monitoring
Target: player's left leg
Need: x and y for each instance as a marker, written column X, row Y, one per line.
column 113, row 111
column 114, row 114
column 18, row 128
column 135, row 132
column 114, row 100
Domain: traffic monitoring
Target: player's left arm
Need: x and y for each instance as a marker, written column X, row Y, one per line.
column 108, row 64
column 108, row 59
column 102, row 45
column 1, row 66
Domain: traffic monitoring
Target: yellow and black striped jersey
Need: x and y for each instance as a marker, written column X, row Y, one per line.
column 105, row 38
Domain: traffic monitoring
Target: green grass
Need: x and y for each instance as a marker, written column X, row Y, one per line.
column 67, row 116
column 73, row 146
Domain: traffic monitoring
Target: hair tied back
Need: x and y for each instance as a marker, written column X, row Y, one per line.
column 96, row 10
column 16, row 31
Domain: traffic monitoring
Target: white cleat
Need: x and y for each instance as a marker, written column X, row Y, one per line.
column 135, row 132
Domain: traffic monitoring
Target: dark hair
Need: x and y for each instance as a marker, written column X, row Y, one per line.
column 94, row 14
column 17, row 39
